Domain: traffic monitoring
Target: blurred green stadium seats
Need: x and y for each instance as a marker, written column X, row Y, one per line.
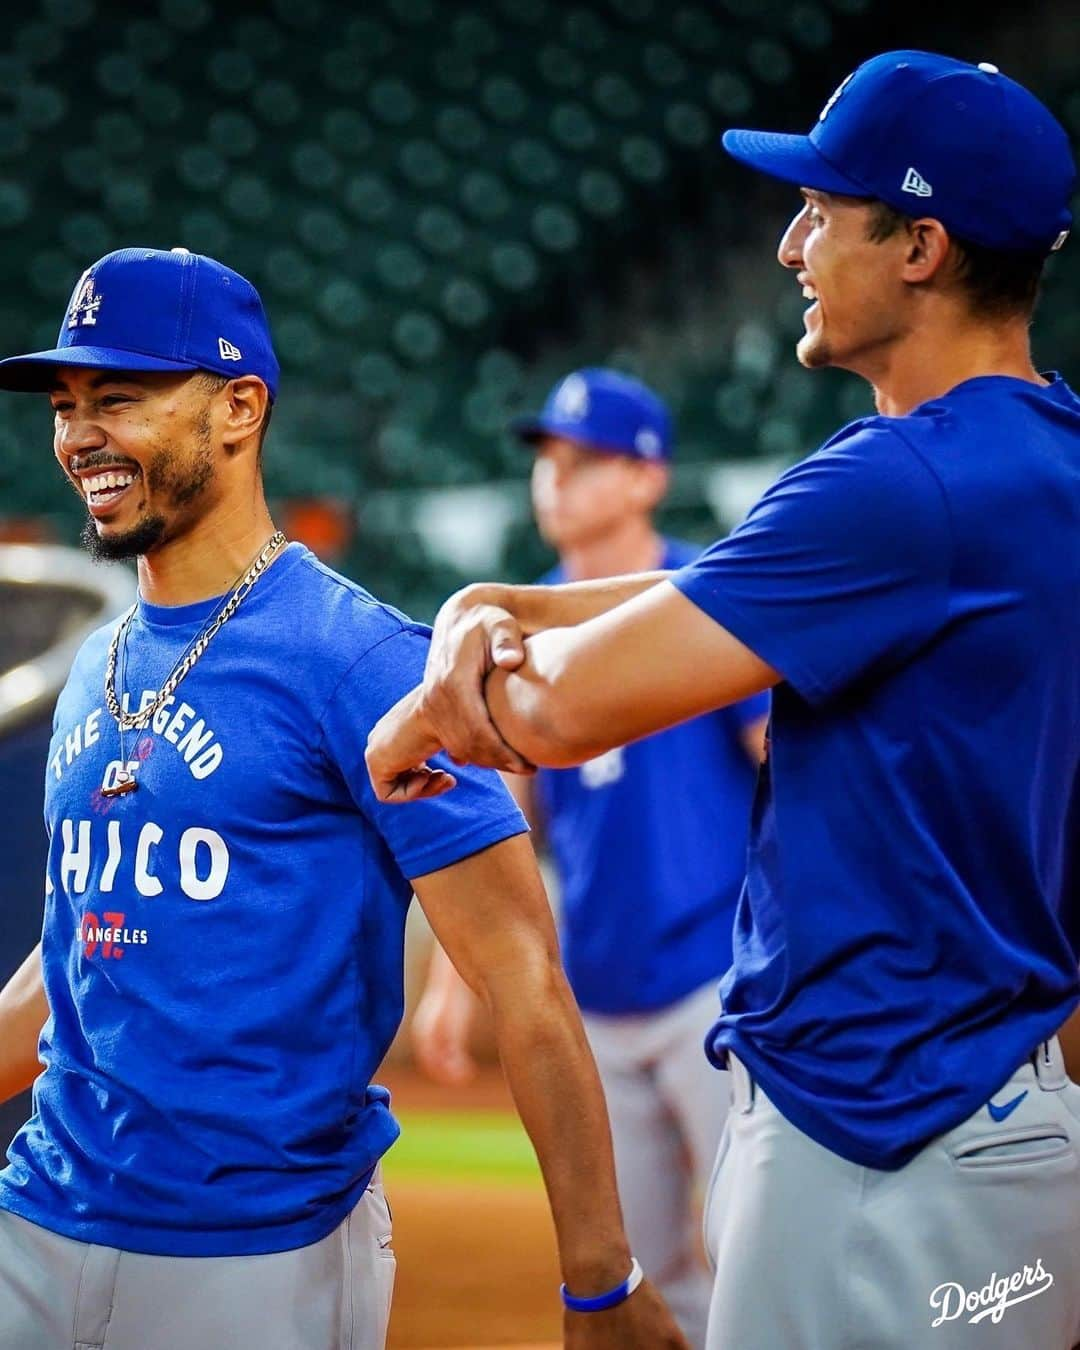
column 445, row 206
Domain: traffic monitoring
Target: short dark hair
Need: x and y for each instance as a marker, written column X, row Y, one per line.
column 999, row 285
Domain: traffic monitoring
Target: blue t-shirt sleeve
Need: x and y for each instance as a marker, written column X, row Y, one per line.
column 427, row 835
column 842, row 568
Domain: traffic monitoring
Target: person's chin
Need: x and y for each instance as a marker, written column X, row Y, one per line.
column 108, row 542
column 813, row 351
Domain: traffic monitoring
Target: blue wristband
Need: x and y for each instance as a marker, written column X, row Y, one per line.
column 611, row 1299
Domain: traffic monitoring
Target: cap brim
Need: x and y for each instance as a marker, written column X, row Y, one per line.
column 529, row 430
column 792, row 159
column 36, row 372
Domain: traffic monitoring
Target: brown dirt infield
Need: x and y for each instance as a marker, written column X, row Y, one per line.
column 476, row 1263
column 476, row 1267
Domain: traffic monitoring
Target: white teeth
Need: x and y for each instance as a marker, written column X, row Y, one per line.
column 102, row 482
column 809, row 293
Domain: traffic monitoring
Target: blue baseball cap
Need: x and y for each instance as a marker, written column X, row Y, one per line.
column 603, row 410
column 937, row 137
column 155, row 309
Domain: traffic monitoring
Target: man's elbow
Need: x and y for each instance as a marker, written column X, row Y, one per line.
column 531, row 990
column 550, row 748
column 543, row 723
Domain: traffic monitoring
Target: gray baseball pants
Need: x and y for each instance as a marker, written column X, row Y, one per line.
column 667, row 1106
column 58, row 1294
column 974, row 1245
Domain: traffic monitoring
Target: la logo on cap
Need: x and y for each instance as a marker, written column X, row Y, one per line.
column 916, row 183
column 834, row 96
column 572, row 400
column 85, row 303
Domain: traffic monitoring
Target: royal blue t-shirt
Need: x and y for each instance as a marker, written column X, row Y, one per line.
column 222, row 948
column 649, row 843
column 908, row 932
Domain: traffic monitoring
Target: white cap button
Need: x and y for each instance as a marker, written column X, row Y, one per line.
column 989, row 68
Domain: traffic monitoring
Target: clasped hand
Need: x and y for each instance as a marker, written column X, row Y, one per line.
column 471, row 638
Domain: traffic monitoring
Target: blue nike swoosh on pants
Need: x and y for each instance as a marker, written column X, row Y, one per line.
column 1007, row 1108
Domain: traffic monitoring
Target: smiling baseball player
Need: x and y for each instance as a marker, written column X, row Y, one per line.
column 901, row 1165
column 220, row 970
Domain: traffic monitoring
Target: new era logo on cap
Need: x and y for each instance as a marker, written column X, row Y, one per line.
column 228, row 351
column 916, row 183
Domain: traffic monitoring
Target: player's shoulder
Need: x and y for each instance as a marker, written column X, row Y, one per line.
column 865, row 437
column 94, row 648
column 343, row 616
column 864, row 489
column 870, row 458
column 986, row 409
column 85, row 674
column 993, row 431
column 984, row 396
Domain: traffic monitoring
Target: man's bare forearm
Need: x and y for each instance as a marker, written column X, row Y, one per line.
column 24, row 1010
column 647, row 664
column 491, row 915
column 553, row 1079
column 502, row 942
column 537, row 608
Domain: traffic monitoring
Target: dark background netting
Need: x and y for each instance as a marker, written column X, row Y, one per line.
column 446, row 206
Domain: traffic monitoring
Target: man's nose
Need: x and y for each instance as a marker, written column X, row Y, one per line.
column 789, row 252
column 76, row 435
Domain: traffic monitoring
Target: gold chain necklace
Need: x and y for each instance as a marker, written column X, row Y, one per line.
column 129, row 721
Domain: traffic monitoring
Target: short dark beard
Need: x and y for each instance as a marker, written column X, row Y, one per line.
column 145, row 537
column 153, row 531
column 162, row 477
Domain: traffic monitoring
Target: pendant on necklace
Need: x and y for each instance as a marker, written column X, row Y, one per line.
column 124, row 782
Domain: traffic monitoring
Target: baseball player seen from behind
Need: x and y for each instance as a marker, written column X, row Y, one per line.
column 900, row 1165
column 649, row 843
column 220, row 970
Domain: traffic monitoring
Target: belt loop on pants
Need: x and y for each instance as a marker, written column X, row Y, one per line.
column 1050, row 1066
column 743, row 1090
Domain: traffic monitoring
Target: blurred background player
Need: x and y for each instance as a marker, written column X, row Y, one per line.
column 649, row 843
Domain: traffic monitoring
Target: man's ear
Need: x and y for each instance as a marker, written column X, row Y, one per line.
column 650, row 484
column 244, row 408
column 927, row 249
